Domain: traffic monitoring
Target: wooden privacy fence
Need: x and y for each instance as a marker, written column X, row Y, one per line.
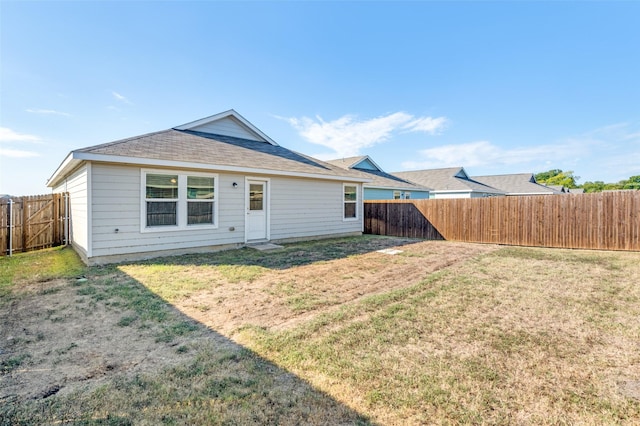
column 33, row 222
column 602, row 221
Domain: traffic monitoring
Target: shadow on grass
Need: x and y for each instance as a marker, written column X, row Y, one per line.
column 291, row 255
column 200, row 377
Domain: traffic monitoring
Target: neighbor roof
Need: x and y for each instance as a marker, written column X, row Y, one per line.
column 353, row 162
column 182, row 148
column 516, row 184
column 451, row 179
column 379, row 178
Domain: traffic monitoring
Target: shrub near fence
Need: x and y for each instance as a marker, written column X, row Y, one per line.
column 33, row 222
column 603, row 221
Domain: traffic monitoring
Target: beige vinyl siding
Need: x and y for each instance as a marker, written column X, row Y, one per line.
column 309, row 208
column 117, row 204
column 227, row 126
column 77, row 186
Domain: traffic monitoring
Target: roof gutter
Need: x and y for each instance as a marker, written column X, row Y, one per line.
column 68, row 164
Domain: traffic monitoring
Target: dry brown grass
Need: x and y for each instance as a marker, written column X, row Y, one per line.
column 519, row 336
column 331, row 332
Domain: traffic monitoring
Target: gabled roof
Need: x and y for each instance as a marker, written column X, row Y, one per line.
column 231, row 117
column 182, row 147
column 450, row 179
column 560, row 189
column 516, row 184
column 361, row 162
column 367, row 168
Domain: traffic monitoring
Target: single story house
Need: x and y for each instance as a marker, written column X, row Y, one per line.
column 516, row 184
column 561, row 189
column 452, row 182
column 383, row 186
column 214, row 183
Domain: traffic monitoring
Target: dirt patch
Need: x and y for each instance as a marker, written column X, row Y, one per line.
column 284, row 298
column 55, row 341
column 57, row 337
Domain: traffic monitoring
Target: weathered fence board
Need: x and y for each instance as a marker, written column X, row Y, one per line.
column 33, row 222
column 603, row 221
column 407, row 221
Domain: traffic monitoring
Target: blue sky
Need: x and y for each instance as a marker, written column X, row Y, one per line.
column 496, row 87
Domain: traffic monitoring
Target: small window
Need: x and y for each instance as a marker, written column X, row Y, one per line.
column 350, row 201
column 396, row 195
column 407, row 195
column 256, row 196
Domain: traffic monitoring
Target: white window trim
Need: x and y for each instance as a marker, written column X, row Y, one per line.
column 356, row 202
column 182, row 200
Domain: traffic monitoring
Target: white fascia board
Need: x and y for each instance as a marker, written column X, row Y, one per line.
column 67, row 164
column 447, row 191
column 203, row 166
column 225, row 114
column 396, row 188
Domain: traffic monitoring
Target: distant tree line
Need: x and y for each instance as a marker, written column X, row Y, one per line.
column 568, row 180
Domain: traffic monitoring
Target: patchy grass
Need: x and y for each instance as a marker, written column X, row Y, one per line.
column 497, row 336
column 38, row 266
column 520, row 335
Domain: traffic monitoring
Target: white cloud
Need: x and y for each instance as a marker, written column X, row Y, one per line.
column 121, row 98
column 484, row 153
column 427, row 124
column 17, row 153
column 8, row 135
column 47, row 112
column 347, row 135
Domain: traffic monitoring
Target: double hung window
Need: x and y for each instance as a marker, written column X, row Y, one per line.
column 350, row 201
column 178, row 200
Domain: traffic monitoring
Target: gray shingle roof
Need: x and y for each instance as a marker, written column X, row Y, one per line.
column 196, row 147
column 446, row 180
column 379, row 178
column 347, row 163
column 516, row 184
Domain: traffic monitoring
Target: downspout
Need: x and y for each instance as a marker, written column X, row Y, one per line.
column 66, row 218
column 10, row 227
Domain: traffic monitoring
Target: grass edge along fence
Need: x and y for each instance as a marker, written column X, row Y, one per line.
column 33, row 222
column 599, row 221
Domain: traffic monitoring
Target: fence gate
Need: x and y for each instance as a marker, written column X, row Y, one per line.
column 33, row 222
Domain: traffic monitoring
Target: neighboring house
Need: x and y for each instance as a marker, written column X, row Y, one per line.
column 516, row 184
column 561, row 189
column 564, row 190
column 218, row 182
column 383, row 186
column 452, row 182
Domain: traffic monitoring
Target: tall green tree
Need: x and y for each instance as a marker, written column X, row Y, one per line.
column 542, row 177
column 632, row 183
column 558, row 177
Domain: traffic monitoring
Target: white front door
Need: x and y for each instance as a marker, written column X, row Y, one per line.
column 257, row 211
